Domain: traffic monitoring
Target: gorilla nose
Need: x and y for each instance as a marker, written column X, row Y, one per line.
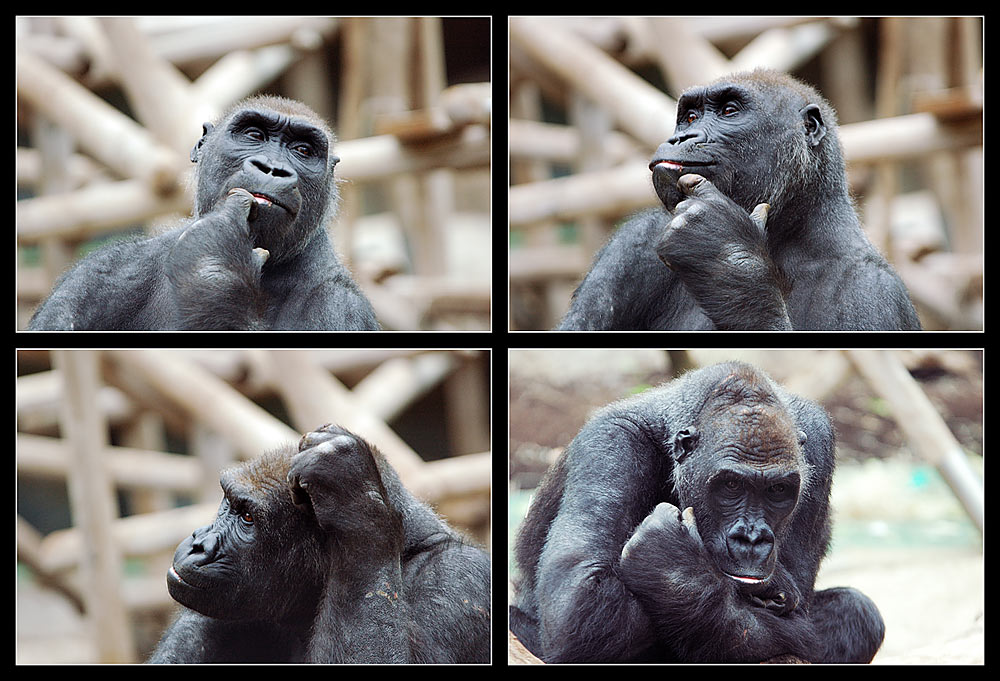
column 262, row 164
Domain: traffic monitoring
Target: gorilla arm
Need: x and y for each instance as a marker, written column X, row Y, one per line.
column 718, row 273
column 720, row 253
column 698, row 611
column 584, row 610
column 214, row 271
column 364, row 606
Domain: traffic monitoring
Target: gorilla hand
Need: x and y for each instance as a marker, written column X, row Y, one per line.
column 213, row 268
column 335, row 476
column 664, row 554
column 780, row 595
column 720, row 253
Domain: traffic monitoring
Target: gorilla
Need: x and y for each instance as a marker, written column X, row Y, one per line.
column 757, row 231
column 321, row 555
column 255, row 255
column 613, row 570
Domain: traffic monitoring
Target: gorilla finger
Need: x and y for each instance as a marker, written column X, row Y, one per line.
column 759, row 216
column 313, row 438
column 666, row 511
column 688, row 519
column 245, row 201
column 694, row 184
column 260, row 256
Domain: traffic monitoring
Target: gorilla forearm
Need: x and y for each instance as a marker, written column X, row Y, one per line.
column 588, row 615
column 697, row 611
column 365, row 610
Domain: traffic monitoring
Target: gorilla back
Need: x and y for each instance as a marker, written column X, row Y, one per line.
column 687, row 524
column 255, row 255
column 757, row 230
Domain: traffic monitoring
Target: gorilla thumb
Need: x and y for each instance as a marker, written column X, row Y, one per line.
column 692, row 183
column 244, row 199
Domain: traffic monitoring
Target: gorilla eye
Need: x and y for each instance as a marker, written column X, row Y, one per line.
column 730, row 109
column 733, row 485
column 247, row 517
column 255, row 133
column 303, row 149
column 691, row 117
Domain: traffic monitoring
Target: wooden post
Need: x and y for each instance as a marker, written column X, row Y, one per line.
column 92, row 499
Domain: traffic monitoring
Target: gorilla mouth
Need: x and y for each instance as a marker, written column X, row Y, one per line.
column 675, row 165
column 666, row 164
column 173, row 573
column 746, row 580
column 265, row 200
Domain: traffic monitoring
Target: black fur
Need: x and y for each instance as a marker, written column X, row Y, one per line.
column 322, row 555
column 237, row 264
column 612, row 570
column 702, row 262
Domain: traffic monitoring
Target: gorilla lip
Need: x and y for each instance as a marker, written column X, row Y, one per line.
column 746, row 580
column 265, row 200
column 666, row 164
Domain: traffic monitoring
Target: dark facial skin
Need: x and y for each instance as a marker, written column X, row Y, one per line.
column 724, row 133
column 216, row 569
column 282, row 160
column 744, row 471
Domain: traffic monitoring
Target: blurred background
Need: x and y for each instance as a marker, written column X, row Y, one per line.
column 592, row 98
column 108, row 110
column 119, row 453
column 907, row 498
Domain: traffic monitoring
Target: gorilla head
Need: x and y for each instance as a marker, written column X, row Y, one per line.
column 262, row 558
column 278, row 150
column 760, row 137
column 740, row 466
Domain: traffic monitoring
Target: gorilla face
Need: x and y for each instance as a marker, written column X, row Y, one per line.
column 741, row 469
column 283, row 159
column 748, row 141
column 262, row 557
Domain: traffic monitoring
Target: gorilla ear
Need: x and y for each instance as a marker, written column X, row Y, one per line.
column 206, row 130
column 684, row 443
column 813, row 120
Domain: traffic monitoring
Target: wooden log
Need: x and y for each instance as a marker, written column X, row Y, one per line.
column 925, row 431
column 92, row 503
column 315, row 397
column 639, row 108
column 107, row 134
column 208, row 399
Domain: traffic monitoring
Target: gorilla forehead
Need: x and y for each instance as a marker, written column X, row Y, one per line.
column 744, row 414
column 280, row 105
column 265, row 476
